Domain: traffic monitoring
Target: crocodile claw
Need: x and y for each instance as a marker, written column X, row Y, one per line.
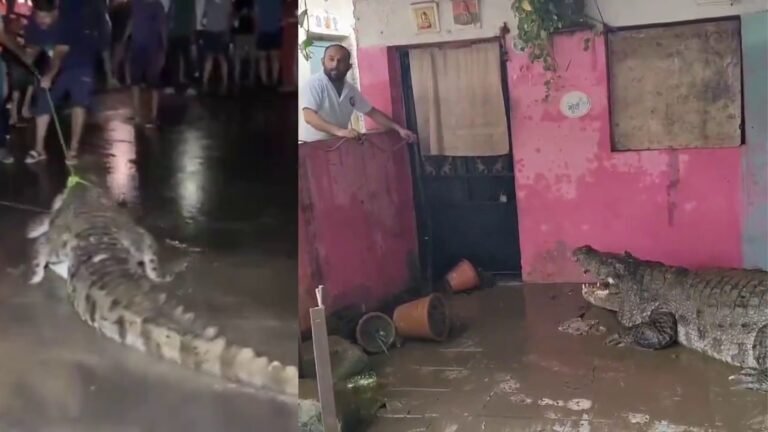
column 751, row 379
column 615, row 340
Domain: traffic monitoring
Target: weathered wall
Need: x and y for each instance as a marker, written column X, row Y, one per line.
column 689, row 207
column 755, row 157
column 678, row 206
column 357, row 233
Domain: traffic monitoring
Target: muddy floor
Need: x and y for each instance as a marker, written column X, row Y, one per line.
column 507, row 367
column 215, row 182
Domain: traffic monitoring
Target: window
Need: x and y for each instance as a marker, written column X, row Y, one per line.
column 676, row 86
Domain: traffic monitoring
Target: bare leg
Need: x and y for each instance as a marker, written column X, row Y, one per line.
column 224, row 73
column 251, row 68
column 155, row 105
column 78, row 121
column 26, row 109
column 263, row 68
column 15, row 96
column 41, row 127
column 136, row 92
column 274, row 60
column 238, row 57
column 207, row 71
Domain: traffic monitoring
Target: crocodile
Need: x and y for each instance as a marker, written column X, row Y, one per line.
column 86, row 231
column 720, row 312
column 141, row 244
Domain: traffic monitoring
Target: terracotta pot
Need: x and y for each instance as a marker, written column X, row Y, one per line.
column 375, row 332
column 462, row 277
column 425, row 318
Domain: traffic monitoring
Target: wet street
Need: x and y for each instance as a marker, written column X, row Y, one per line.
column 216, row 184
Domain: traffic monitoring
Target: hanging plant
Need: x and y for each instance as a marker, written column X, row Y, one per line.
column 536, row 21
column 304, row 24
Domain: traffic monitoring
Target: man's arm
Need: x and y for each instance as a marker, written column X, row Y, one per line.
column 9, row 42
column 312, row 118
column 386, row 122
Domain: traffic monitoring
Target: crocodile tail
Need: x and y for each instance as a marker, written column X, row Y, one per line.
column 120, row 305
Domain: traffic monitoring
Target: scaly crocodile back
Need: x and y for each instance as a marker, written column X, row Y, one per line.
column 108, row 294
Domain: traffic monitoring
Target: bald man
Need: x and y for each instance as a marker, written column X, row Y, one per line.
column 328, row 100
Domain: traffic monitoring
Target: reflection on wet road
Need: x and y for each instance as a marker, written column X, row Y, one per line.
column 217, row 178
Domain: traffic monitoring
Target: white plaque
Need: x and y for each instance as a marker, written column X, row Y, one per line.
column 574, row 104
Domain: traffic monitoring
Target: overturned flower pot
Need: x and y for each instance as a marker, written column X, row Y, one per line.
column 375, row 332
column 462, row 277
column 424, row 318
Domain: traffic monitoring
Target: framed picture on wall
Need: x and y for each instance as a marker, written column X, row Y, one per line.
column 466, row 13
column 425, row 16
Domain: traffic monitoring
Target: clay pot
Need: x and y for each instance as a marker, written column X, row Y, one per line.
column 375, row 332
column 462, row 277
column 424, row 318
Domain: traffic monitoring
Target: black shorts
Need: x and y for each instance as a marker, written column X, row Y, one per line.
column 271, row 41
column 215, row 43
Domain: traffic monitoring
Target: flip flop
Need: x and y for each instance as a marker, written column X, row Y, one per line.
column 34, row 156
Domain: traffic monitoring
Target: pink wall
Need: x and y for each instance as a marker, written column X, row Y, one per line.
column 357, row 226
column 681, row 207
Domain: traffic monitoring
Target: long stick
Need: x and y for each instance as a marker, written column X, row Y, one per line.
column 323, row 365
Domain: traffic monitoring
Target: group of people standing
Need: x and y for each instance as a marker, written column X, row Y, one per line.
column 154, row 44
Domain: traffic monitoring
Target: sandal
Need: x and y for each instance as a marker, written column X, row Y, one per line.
column 71, row 158
column 5, row 156
column 34, row 156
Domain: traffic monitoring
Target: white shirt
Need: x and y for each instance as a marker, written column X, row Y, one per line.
column 319, row 94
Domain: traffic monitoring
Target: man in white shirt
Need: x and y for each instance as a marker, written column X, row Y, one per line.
column 328, row 100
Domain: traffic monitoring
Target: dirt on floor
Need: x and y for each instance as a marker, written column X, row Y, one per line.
column 510, row 366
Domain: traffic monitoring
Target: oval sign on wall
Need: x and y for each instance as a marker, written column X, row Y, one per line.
column 575, row 104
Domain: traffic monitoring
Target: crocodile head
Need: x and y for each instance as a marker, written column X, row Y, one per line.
column 609, row 269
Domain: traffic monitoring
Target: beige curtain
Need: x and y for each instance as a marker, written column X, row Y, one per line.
column 458, row 98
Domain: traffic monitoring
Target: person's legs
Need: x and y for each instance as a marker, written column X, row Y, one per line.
column 238, row 58
column 138, row 60
column 5, row 155
column 223, row 57
column 274, row 61
column 26, row 108
column 81, row 84
column 14, row 109
column 154, row 82
column 209, row 48
column 42, row 111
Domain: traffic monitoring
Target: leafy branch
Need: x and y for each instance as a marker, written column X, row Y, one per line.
column 536, row 21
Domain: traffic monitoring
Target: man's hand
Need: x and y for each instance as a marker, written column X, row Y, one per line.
column 406, row 134
column 348, row 133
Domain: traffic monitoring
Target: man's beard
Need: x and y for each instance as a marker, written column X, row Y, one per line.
column 335, row 75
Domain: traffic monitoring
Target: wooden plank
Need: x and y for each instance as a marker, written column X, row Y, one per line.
column 323, row 366
column 676, row 86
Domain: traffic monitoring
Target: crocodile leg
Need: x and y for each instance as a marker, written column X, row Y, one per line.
column 755, row 378
column 41, row 250
column 659, row 331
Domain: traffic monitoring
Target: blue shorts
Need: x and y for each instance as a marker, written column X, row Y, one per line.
column 76, row 83
column 215, row 43
column 146, row 63
column 270, row 41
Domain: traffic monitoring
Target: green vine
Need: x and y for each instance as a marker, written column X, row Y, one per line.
column 536, row 21
column 304, row 24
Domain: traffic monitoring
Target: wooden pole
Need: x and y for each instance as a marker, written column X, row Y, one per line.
column 323, row 365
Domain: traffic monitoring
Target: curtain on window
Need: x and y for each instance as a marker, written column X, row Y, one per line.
column 459, row 102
